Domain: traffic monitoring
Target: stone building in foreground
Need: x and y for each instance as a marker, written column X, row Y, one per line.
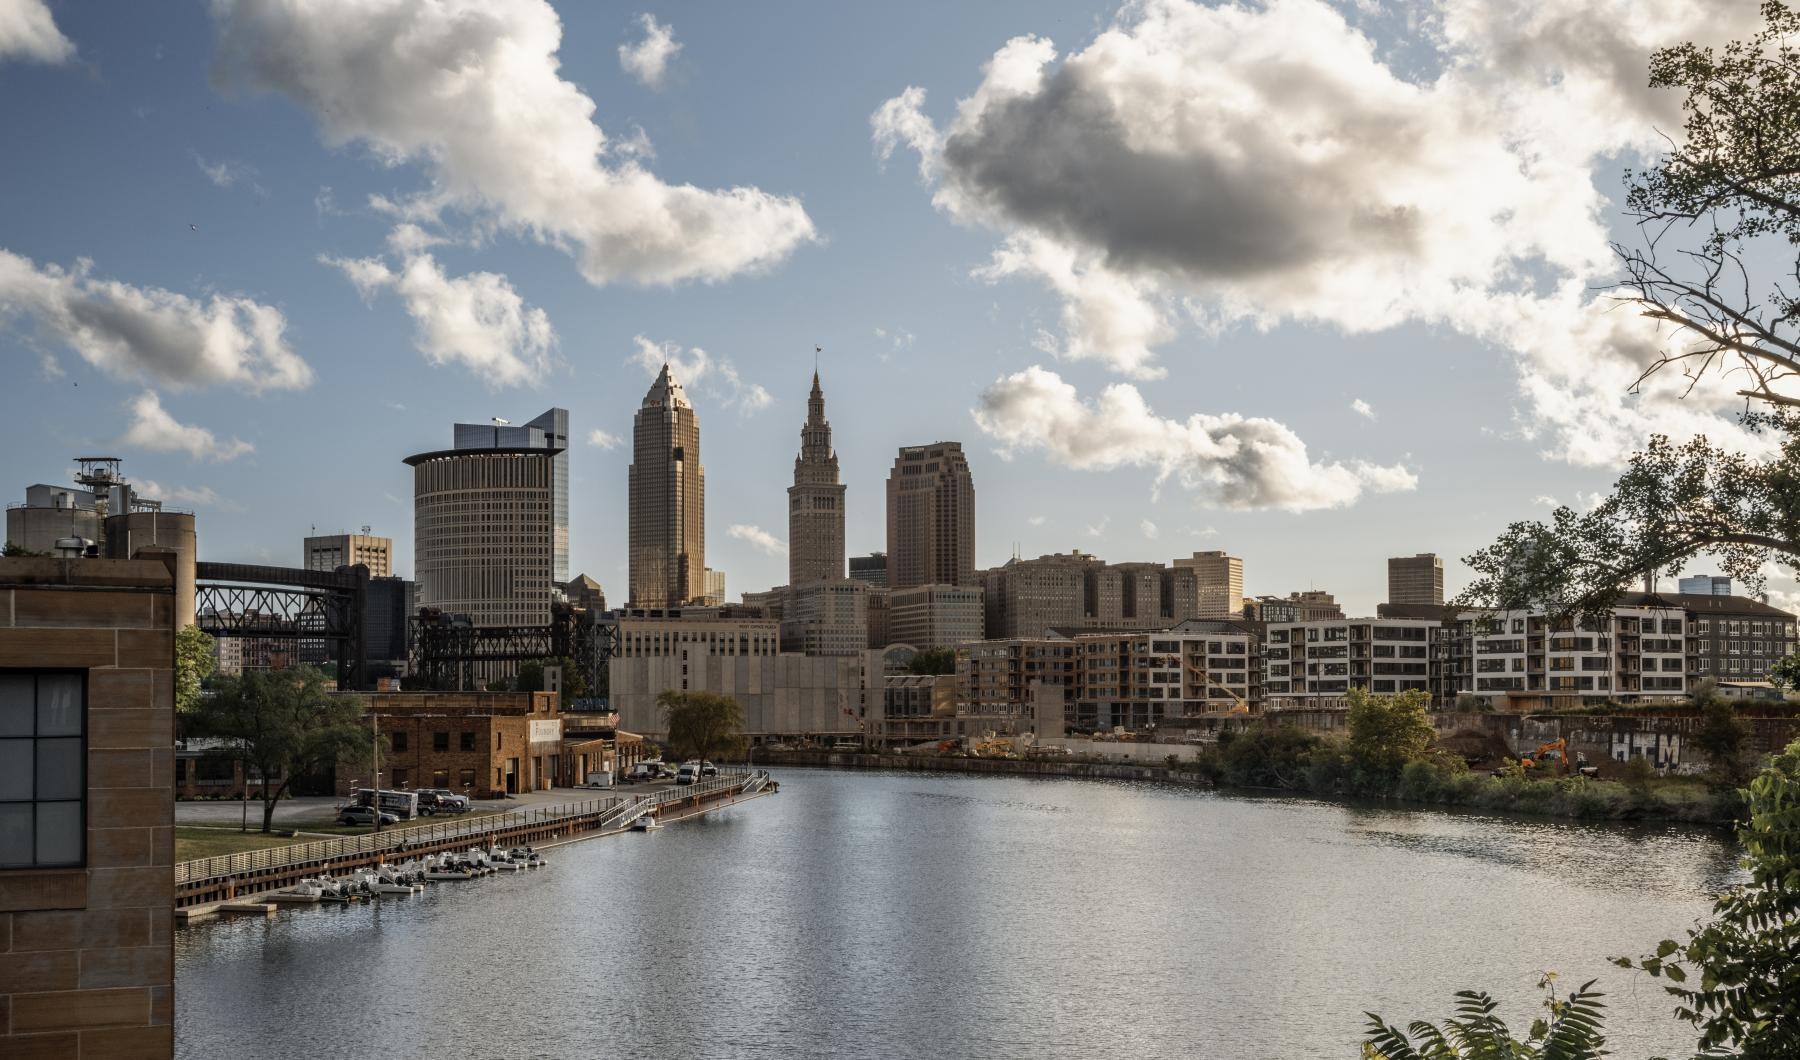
column 87, row 813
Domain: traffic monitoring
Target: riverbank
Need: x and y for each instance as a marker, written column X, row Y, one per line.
column 1576, row 798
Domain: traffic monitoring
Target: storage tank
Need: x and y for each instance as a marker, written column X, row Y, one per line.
column 128, row 533
column 39, row 528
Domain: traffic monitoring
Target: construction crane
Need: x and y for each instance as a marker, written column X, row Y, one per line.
column 1239, row 706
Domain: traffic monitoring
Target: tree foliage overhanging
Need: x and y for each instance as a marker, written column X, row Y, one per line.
column 702, row 724
column 1716, row 209
column 281, row 723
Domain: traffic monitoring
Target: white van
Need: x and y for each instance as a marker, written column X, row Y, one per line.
column 688, row 773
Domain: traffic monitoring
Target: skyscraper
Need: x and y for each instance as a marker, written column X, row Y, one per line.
column 931, row 517
column 1416, row 579
column 815, row 501
column 1218, row 584
column 549, row 431
column 483, row 536
column 668, row 500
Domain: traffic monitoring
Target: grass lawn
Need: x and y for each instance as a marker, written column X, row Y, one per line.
column 194, row 841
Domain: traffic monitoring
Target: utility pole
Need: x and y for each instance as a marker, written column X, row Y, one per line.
column 375, row 764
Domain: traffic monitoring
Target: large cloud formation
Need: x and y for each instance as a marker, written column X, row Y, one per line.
column 153, row 428
column 148, row 333
column 1234, row 461
column 469, row 89
column 28, row 31
column 1258, row 163
column 477, row 320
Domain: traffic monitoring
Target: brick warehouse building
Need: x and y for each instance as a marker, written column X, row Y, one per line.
column 481, row 743
column 87, row 732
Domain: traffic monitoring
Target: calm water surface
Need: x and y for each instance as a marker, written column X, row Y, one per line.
column 889, row 915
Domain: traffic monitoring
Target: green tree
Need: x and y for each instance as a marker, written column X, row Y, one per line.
column 193, row 664
column 281, row 723
column 702, row 724
column 1725, row 739
column 1386, row 732
column 1570, row 1030
column 10, row 550
column 530, row 677
column 933, row 661
column 1734, row 178
column 1785, row 674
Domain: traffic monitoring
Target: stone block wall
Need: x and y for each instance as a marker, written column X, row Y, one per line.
column 87, row 951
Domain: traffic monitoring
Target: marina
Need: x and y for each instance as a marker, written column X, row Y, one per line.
column 396, row 860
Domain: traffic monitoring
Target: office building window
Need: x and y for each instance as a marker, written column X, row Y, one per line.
column 43, row 769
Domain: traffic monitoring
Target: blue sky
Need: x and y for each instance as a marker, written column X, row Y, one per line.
column 196, row 152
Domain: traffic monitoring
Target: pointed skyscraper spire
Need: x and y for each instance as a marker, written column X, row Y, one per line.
column 816, row 500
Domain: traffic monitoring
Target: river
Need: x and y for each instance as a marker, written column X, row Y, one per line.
column 900, row 915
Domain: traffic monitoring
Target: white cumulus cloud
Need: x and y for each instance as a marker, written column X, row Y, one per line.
column 470, row 90
column 648, row 59
column 600, row 439
column 693, row 367
column 148, row 333
column 1149, row 529
column 27, row 31
column 1230, row 460
column 1258, row 163
column 1362, row 408
column 153, row 428
column 758, row 538
column 476, row 320
column 184, row 496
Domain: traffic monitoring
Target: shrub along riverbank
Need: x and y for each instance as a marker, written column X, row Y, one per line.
column 1390, row 752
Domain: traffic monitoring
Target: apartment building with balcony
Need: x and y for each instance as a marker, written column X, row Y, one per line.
column 1317, row 663
column 1636, row 654
column 1132, row 680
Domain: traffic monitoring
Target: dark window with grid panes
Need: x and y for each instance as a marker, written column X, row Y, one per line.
column 43, row 769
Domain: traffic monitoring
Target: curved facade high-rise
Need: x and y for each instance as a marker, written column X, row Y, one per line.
column 667, row 540
column 815, row 501
column 483, row 532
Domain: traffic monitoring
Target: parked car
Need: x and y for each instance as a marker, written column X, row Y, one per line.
column 445, row 800
column 688, row 773
column 364, row 815
column 707, row 769
column 428, row 803
column 646, row 770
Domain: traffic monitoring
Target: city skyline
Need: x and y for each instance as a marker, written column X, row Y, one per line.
column 294, row 224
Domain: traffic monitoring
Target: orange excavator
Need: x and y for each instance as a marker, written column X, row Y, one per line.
column 1559, row 749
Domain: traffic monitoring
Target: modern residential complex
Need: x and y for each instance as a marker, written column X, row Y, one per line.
column 931, row 517
column 1706, row 585
column 815, row 501
column 1317, row 662
column 1416, row 580
column 331, row 551
column 1729, row 638
column 1119, row 680
column 667, row 560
